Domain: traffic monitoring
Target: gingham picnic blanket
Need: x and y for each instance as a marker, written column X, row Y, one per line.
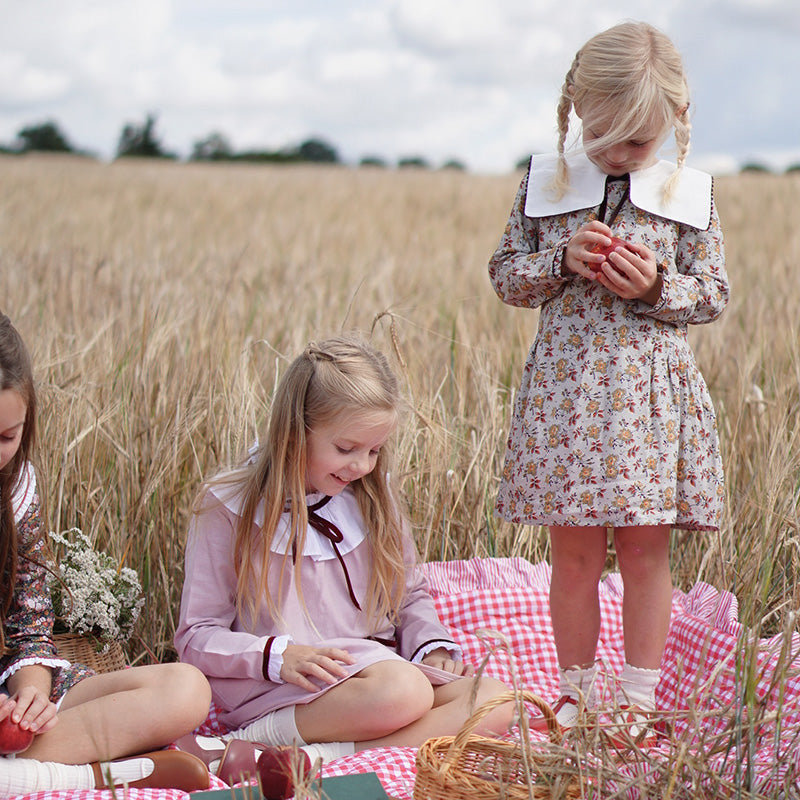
column 709, row 675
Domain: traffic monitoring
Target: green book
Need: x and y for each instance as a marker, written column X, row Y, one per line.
column 364, row 786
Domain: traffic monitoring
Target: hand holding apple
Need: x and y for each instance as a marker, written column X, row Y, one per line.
column 607, row 250
column 13, row 739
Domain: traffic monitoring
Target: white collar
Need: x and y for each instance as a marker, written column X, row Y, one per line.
column 690, row 203
column 342, row 510
column 24, row 492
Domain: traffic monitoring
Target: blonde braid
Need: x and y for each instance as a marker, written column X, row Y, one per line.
column 683, row 132
column 560, row 182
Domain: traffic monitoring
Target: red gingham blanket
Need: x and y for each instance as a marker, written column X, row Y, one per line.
column 704, row 667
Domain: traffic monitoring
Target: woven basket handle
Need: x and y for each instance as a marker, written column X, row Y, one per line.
column 460, row 740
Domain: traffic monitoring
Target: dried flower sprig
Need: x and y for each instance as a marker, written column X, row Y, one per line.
column 95, row 596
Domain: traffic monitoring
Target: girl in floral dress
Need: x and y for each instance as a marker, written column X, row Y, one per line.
column 613, row 426
column 77, row 719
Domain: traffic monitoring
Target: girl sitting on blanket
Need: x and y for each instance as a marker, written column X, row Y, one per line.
column 301, row 602
column 77, row 719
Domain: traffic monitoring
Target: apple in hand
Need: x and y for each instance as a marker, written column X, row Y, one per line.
column 13, row 739
column 607, row 250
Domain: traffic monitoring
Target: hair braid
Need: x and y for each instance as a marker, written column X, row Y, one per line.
column 561, row 180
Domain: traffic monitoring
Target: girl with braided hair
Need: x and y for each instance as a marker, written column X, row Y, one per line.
column 301, row 603
column 613, row 427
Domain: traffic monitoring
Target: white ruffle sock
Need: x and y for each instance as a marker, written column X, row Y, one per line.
column 26, row 776
column 279, row 728
column 579, row 685
column 637, row 687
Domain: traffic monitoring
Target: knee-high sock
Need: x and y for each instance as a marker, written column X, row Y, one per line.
column 26, row 775
column 279, row 728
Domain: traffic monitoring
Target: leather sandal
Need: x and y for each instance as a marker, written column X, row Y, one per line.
column 171, row 769
column 278, row 770
column 632, row 727
column 539, row 724
column 237, row 757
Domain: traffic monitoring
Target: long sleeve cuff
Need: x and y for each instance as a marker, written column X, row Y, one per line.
column 273, row 657
column 455, row 651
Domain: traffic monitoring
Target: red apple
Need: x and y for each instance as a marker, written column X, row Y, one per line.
column 13, row 739
column 606, row 251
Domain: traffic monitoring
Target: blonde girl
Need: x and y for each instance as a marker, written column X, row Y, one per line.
column 301, row 602
column 77, row 718
column 613, row 427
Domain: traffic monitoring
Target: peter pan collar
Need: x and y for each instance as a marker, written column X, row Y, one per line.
column 690, row 203
column 342, row 511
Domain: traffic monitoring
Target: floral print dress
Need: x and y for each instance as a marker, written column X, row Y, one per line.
column 613, row 424
column 28, row 627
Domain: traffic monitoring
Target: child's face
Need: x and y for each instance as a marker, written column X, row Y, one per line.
column 637, row 152
column 343, row 452
column 12, row 421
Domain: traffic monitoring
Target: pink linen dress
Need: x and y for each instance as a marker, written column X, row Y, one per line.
column 235, row 655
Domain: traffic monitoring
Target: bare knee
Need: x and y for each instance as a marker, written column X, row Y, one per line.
column 395, row 694
column 185, row 692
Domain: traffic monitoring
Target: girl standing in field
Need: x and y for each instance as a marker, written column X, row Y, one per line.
column 301, row 602
column 76, row 717
column 613, row 425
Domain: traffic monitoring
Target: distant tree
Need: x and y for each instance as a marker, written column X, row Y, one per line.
column 140, row 140
column 754, row 167
column 318, row 151
column 372, row 161
column 45, row 137
column 792, row 168
column 215, row 147
column 417, row 162
column 454, row 164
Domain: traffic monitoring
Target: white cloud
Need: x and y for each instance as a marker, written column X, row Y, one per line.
column 472, row 79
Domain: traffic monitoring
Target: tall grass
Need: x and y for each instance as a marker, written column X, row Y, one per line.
column 162, row 301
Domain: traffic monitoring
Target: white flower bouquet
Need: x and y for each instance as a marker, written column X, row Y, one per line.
column 95, row 596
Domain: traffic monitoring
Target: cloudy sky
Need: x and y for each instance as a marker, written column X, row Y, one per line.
column 473, row 80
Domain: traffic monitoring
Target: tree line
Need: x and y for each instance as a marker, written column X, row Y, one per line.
column 141, row 140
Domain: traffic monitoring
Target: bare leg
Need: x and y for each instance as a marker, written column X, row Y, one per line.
column 578, row 556
column 643, row 555
column 450, row 711
column 124, row 713
column 393, row 703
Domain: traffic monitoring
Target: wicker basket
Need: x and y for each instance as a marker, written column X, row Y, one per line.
column 473, row 767
column 81, row 650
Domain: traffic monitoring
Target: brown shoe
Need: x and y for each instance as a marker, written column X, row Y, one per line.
column 171, row 769
column 236, row 758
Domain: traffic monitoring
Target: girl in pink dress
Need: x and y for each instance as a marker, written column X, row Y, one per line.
column 301, row 603
column 613, row 426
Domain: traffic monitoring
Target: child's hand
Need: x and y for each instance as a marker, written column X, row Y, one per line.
column 440, row 659
column 31, row 709
column 632, row 273
column 301, row 662
column 579, row 257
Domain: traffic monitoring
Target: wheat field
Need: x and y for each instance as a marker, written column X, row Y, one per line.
column 161, row 302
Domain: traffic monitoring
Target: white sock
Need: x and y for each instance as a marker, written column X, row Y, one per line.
column 126, row 771
column 579, row 685
column 276, row 728
column 637, row 687
column 328, row 751
column 25, row 776
column 279, row 728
